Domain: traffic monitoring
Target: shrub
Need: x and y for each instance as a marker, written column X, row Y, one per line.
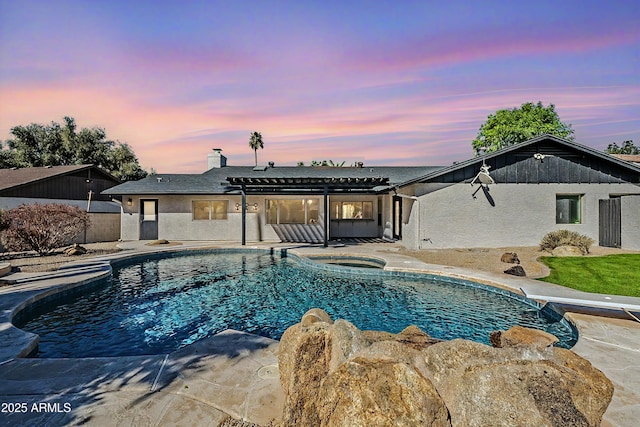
column 42, row 227
column 566, row 238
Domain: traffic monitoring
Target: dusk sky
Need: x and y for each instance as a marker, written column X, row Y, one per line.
column 386, row 83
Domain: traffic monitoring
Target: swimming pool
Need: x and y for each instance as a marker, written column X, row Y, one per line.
column 161, row 304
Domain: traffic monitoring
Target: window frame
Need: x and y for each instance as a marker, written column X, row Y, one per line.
column 308, row 203
column 212, row 214
column 338, row 214
column 574, row 209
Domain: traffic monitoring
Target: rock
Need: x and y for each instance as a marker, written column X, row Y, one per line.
column 566, row 251
column 75, row 249
column 333, row 374
column 232, row 422
column 510, row 258
column 318, row 360
column 519, row 386
column 159, row 242
column 379, row 392
column 315, row 315
column 516, row 270
column 517, row 336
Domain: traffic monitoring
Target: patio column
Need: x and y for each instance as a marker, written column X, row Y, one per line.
column 326, row 215
column 243, row 191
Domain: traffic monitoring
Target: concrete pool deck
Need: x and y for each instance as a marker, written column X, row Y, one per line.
column 235, row 373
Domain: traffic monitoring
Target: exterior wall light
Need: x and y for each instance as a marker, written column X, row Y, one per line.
column 129, row 202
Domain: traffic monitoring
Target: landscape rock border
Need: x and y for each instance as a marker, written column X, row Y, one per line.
column 333, row 374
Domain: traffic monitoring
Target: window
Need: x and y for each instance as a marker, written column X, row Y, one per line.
column 210, row 209
column 352, row 210
column 568, row 209
column 149, row 210
column 292, row 211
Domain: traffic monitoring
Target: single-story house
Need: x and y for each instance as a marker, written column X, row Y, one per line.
column 74, row 185
column 511, row 197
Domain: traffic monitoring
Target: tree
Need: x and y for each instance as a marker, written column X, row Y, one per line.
column 124, row 163
column 255, row 142
column 57, row 144
column 627, row 148
column 508, row 127
column 42, row 228
column 7, row 158
column 329, row 163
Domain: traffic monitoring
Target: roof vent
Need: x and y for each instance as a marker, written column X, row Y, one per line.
column 272, row 164
column 159, row 178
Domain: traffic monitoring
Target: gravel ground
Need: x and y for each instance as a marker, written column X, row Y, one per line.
column 486, row 259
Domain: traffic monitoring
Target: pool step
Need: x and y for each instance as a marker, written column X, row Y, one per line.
column 20, row 278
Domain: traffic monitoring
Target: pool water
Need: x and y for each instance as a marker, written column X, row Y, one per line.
column 160, row 305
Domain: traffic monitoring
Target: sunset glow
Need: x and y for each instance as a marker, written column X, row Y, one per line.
column 386, row 83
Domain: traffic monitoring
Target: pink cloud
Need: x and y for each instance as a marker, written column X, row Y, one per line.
column 483, row 45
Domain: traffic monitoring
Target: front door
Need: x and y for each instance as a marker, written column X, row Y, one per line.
column 397, row 217
column 148, row 219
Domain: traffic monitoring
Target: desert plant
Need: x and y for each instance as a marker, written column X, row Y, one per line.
column 566, row 238
column 42, row 227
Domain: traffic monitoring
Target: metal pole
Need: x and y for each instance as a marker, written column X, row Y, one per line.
column 244, row 215
column 326, row 215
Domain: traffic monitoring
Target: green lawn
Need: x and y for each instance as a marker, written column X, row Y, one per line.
column 611, row 274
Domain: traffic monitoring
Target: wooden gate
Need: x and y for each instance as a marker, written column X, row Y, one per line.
column 610, row 223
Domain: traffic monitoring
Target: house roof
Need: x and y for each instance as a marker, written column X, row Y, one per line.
column 16, row 177
column 373, row 178
column 96, row 206
column 222, row 180
column 633, row 158
column 516, row 147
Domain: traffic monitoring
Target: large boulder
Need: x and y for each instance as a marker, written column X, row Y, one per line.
column 333, row 374
column 379, row 392
column 567, row 250
column 510, row 258
column 517, row 336
column 516, row 270
column 517, row 386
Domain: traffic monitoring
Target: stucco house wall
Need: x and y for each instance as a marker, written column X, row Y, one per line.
column 448, row 216
column 105, row 227
column 630, row 222
column 175, row 219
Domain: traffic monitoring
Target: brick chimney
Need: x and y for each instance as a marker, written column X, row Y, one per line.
column 216, row 159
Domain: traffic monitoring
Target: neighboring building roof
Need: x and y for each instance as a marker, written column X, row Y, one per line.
column 96, row 206
column 633, row 158
column 16, row 177
column 476, row 161
column 217, row 180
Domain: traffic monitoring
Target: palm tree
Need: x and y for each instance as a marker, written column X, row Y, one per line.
column 255, row 142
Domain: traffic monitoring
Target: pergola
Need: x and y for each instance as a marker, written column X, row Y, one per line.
column 305, row 185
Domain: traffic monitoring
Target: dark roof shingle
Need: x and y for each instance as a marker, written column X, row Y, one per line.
column 10, row 178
